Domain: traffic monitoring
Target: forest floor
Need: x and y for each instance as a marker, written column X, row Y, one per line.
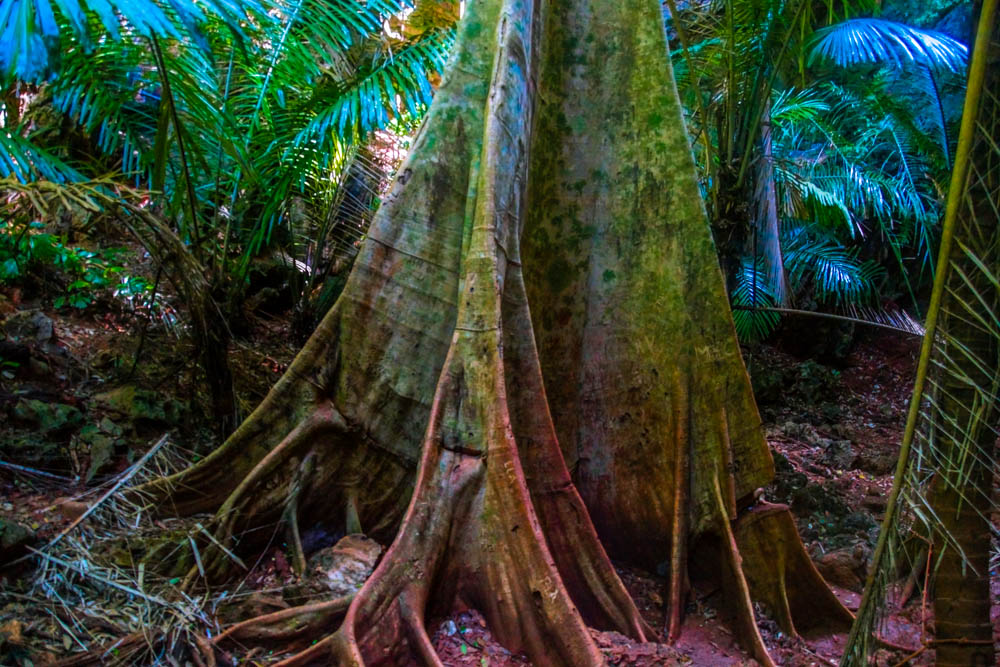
column 77, row 411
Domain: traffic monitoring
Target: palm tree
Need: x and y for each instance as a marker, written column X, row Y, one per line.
column 946, row 466
column 243, row 121
column 801, row 159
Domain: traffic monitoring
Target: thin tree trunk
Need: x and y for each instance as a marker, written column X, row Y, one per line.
column 965, row 433
column 768, row 236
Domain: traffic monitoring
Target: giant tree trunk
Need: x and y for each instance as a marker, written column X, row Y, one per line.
column 556, row 134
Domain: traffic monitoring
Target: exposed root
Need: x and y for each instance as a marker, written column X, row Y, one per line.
column 737, row 589
column 213, row 562
column 287, row 625
column 324, row 652
column 781, row 575
column 291, row 517
column 679, row 537
column 411, row 604
column 485, row 550
column 205, row 656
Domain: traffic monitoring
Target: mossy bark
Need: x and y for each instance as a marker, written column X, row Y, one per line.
column 556, row 133
column 651, row 400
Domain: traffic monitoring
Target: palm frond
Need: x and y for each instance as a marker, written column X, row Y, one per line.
column 952, row 424
column 875, row 40
column 753, row 305
column 392, row 86
column 30, row 30
column 20, row 158
column 797, row 106
column 836, row 273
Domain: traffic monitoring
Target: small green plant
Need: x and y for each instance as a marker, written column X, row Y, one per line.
column 28, row 248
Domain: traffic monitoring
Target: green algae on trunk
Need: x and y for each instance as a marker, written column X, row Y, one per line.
column 597, row 376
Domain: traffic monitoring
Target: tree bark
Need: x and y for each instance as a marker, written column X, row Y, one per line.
column 557, row 133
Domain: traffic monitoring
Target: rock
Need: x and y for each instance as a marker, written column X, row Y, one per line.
column 877, row 463
column 818, row 498
column 139, row 406
column 875, row 503
column 815, row 382
column 831, row 412
column 343, row 568
column 769, row 382
column 857, row 523
column 839, row 454
column 13, row 538
column 97, row 442
column 845, row 567
column 27, row 326
column 47, row 417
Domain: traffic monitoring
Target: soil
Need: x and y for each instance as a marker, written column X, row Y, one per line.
column 834, row 429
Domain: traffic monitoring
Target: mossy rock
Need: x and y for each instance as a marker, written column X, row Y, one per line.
column 28, row 326
column 815, row 383
column 98, row 443
column 140, row 407
column 45, row 417
column 770, row 382
column 819, row 498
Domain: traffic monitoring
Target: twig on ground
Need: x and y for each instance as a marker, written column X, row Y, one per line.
column 38, row 473
column 110, row 492
column 110, row 582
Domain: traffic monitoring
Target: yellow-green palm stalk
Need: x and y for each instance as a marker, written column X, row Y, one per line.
column 944, row 474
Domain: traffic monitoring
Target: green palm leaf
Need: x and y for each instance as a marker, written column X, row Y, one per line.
column 21, row 159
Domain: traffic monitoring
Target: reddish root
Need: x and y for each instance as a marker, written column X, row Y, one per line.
column 470, row 539
column 287, row 625
column 411, row 611
column 204, row 656
column 321, row 653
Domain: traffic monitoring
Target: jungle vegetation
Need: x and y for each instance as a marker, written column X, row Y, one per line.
column 519, row 358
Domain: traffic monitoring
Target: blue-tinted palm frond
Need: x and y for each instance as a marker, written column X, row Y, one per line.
column 837, row 274
column 749, row 299
column 30, row 30
column 874, row 40
column 21, row 159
